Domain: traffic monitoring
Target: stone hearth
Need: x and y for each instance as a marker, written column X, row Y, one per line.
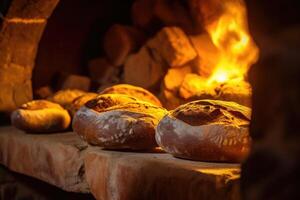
column 67, row 162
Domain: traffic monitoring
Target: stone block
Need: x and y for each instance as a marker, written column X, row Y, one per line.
column 56, row 158
column 125, row 175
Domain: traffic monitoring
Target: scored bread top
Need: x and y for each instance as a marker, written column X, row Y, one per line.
column 104, row 101
column 204, row 112
column 134, row 91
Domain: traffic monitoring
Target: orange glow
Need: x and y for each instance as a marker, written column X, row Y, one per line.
column 229, row 33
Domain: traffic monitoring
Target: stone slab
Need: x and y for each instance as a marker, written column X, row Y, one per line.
column 57, row 159
column 67, row 162
column 125, row 175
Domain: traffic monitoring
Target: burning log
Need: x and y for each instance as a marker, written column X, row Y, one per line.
column 76, row 82
column 144, row 69
column 120, row 41
column 174, row 78
column 208, row 54
column 173, row 45
column 195, row 87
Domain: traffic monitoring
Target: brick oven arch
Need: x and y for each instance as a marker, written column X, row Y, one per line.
column 20, row 33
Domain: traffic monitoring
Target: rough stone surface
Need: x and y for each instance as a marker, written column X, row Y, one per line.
column 20, row 34
column 31, row 9
column 56, row 159
column 124, row 175
column 65, row 161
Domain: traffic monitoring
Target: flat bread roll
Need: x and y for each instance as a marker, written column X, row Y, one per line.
column 206, row 130
column 134, row 91
column 115, row 121
column 41, row 116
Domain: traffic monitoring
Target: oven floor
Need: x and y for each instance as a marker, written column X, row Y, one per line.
column 67, row 162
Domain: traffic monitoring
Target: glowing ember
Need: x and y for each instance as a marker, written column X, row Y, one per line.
column 230, row 35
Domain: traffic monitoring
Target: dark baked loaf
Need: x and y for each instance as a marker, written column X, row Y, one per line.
column 66, row 97
column 206, row 130
column 130, row 90
column 41, row 116
column 115, row 121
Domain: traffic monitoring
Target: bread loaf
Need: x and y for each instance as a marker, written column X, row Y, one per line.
column 206, row 130
column 115, row 121
column 65, row 97
column 74, row 106
column 134, row 91
column 41, row 116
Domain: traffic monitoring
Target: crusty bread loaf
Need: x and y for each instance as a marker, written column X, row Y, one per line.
column 41, row 116
column 206, row 130
column 130, row 90
column 115, row 121
column 65, row 97
column 74, row 106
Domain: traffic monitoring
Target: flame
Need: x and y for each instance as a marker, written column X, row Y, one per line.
column 229, row 33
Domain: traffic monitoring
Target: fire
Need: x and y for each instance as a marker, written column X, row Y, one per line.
column 229, row 33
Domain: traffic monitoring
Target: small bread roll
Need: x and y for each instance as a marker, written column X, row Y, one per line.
column 115, row 121
column 130, row 90
column 206, row 130
column 65, row 97
column 78, row 102
column 41, row 116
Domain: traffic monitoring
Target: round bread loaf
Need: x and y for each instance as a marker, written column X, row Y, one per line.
column 65, row 97
column 206, row 130
column 41, row 116
column 130, row 90
column 78, row 102
column 115, row 121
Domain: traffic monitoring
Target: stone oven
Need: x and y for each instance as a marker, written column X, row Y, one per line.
column 175, row 51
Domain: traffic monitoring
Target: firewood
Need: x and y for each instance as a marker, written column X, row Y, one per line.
column 173, row 13
column 144, row 69
column 43, row 92
column 98, row 67
column 207, row 54
column 120, row 41
column 237, row 91
column 142, row 14
column 111, row 76
column 196, row 87
column 174, row 77
column 173, row 45
column 76, row 82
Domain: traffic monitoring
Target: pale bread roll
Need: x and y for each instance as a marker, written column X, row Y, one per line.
column 41, row 116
